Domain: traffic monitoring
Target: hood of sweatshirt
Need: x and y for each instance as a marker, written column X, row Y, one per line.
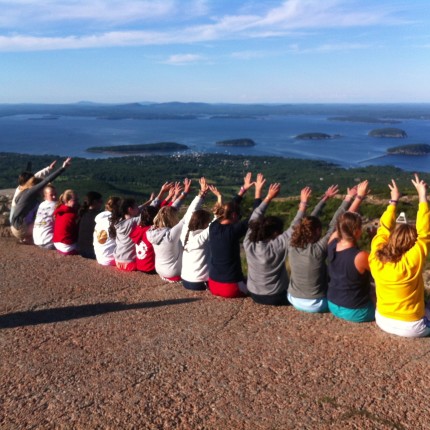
column 63, row 209
column 156, row 235
column 102, row 216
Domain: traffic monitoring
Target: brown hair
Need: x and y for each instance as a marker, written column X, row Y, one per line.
column 401, row 240
column 265, row 228
column 347, row 225
column 308, row 230
column 199, row 220
column 226, row 210
column 112, row 202
column 31, row 183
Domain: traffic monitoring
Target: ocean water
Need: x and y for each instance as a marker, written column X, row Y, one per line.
column 274, row 136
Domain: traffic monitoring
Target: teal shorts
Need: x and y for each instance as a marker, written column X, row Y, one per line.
column 359, row 315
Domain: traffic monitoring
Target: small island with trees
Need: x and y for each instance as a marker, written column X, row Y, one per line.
column 136, row 149
column 414, row 149
column 364, row 119
column 315, row 136
column 388, row 132
column 245, row 142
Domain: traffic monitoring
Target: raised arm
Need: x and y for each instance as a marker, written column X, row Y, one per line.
column 331, row 191
column 258, row 212
column 362, row 191
column 247, row 184
column 183, row 192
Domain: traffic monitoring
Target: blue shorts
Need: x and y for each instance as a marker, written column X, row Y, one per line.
column 359, row 315
column 309, row 305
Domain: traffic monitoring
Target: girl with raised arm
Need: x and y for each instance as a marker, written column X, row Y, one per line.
column 225, row 267
column 266, row 248
column 307, row 255
column 196, row 252
column 27, row 202
column 124, row 218
column 166, row 232
column 349, row 293
column 397, row 259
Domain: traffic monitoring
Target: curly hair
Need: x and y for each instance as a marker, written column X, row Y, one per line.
column 347, row 225
column 308, row 230
column 401, row 240
column 265, row 228
column 200, row 219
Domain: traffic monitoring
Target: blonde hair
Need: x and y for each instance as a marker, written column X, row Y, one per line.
column 167, row 217
column 65, row 197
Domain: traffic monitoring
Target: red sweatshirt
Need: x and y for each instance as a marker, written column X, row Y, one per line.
column 65, row 225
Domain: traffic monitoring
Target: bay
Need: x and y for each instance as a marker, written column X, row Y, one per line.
column 274, row 136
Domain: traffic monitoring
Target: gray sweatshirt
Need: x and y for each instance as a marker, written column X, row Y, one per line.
column 267, row 274
column 308, row 267
column 167, row 244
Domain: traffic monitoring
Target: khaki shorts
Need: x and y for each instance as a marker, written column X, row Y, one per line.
column 24, row 233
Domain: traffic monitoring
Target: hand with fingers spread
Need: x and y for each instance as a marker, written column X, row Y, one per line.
column 421, row 188
column 331, row 191
column 204, row 187
column 305, row 195
column 363, row 189
column 274, row 190
column 187, row 185
column 259, row 184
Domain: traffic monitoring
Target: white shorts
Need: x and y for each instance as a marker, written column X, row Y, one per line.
column 420, row 328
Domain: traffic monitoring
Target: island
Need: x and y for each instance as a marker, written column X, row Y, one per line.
column 236, row 142
column 364, row 119
column 315, row 136
column 388, row 132
column 413, row 149
column 135, row 149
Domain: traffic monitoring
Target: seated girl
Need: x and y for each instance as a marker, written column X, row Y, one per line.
column 397, row 259
column 349, row 289
column 225, row 267
column 104, row 245
column 27, row 202
column 124, row 218
column 66, row 223
column 43, row 230
column 196, row 252
column 266, row 247
column 166, row 232
column 307, row 253
column 90, row 208
column 145, row 255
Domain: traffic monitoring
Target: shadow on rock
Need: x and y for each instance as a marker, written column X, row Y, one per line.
column 46, row 316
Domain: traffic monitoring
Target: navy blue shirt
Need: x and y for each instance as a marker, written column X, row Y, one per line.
column 347, row 287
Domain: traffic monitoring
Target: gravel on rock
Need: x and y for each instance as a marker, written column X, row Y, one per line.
column 84, row 346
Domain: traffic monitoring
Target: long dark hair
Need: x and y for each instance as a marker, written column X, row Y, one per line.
column 347, row 225
column 200, row 219
column 118, row 214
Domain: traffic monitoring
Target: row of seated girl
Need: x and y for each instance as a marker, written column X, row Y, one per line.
column 203, row 250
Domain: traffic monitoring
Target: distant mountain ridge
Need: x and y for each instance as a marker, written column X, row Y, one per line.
column 181, row 110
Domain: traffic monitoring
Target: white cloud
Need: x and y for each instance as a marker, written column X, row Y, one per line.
column 167, row 18
column 182, row 59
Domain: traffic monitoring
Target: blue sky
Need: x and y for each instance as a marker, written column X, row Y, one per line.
column 250, row 51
